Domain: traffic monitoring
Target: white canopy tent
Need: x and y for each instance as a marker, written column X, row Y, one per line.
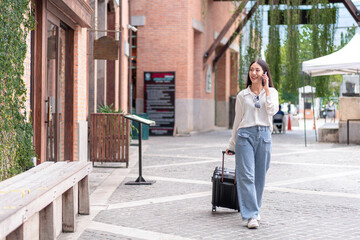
column 344, row 61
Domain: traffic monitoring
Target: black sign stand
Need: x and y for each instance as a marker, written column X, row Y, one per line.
column 140, row 180
column 159, row 101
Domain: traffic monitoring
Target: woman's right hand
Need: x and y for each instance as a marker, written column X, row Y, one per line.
column 229, row 152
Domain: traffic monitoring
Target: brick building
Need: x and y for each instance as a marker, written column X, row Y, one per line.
column 57, row 79
column 172, row 38
column 108, row 78
column 64, row 81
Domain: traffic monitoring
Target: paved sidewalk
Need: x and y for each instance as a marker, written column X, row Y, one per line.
column 312, row 192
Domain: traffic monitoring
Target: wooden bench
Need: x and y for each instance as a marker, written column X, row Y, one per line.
column 43, row 201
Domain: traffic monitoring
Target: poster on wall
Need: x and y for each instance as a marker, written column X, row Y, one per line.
column 159, row 101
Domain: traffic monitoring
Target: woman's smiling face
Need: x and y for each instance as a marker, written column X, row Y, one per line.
column 255, row 73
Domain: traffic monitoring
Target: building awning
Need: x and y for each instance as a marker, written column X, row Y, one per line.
column 78, row 10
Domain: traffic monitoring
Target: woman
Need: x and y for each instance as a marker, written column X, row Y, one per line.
column 251, row 139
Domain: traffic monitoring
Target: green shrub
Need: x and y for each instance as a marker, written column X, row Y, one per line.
column 104, row 108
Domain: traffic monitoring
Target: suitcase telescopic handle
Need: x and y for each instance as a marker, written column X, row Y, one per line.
column 222, row 168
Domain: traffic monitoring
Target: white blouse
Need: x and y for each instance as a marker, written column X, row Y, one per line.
column 247, row 115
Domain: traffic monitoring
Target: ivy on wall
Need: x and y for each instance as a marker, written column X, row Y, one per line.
column 16, row 148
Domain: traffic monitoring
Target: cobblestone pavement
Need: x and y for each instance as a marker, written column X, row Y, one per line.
column 312, row 192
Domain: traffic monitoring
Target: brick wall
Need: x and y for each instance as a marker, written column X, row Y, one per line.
column 168, row 42
column 80, row 83
column 163, row 42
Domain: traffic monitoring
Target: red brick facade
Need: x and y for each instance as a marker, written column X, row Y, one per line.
column 57, row 78
column 174, row 37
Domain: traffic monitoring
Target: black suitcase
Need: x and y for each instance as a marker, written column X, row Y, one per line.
column 224, row 192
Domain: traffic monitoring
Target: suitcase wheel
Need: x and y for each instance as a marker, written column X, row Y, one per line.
column 214, row 209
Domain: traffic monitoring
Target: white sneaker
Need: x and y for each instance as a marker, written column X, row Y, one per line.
column 258, row 218
column 253, row 223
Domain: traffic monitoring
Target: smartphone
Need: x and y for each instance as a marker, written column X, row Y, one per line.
column 263, row 83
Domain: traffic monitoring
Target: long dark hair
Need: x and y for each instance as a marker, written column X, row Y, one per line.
column 265, row 67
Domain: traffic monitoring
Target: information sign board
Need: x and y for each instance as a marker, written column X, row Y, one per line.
column 159, row 101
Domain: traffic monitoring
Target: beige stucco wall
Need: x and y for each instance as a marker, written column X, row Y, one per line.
column 349, row 108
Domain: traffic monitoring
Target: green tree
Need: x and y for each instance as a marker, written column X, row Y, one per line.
column 250, row 45
column 305, row 42
column 292, row 66
column 273, row 49
column 345, row 38
column 322, row 39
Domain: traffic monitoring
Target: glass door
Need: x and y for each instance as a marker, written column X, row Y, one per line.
column 55, row 90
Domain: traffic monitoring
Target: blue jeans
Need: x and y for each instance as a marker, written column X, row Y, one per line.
column 253, row 152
